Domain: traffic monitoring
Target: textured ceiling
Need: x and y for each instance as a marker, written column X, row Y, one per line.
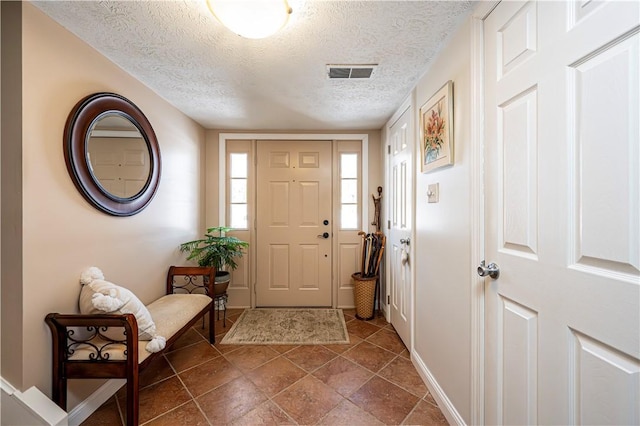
column 224, row 81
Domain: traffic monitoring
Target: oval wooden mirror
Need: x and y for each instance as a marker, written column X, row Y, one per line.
column 112, row 154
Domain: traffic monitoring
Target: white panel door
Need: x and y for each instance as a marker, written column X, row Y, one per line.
column 401, row 161
column 562, row 213
column 293, row 251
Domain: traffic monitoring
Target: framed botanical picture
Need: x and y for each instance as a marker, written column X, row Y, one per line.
column 436, row 130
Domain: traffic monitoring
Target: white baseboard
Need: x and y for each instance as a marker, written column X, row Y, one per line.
column 30, row 407
column 82, row 411
column 445, row 404
column 385, row 312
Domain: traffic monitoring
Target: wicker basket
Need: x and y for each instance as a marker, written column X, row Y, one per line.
column 364, row 291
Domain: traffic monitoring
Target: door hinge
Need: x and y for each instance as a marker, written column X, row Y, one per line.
column 388, row 149
column 388, row 300
column 388, row 224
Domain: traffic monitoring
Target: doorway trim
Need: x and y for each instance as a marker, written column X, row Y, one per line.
column 407, row 104
column 476, row 174
column 222, row 149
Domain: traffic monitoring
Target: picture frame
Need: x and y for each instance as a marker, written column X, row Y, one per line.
column 436, row 130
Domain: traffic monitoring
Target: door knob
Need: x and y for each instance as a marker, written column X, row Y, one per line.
column 406, row 241
column 323, row 235
column 491, row 270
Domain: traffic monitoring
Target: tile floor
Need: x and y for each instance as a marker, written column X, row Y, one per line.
column 370, row 381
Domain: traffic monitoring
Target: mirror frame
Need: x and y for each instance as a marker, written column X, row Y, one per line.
column 76, row 136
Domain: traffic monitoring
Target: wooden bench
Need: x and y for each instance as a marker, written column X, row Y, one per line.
column 82, row 350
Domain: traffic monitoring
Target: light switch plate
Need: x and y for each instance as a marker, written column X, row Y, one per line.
column 433, row 193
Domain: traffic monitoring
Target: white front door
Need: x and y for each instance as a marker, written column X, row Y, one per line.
column 399, row 243
column 293, row 250
column 562, row 213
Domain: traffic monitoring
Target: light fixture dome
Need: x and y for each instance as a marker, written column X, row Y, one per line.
column 251, row 18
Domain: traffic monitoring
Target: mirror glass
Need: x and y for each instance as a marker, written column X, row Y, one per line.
column 118, row 156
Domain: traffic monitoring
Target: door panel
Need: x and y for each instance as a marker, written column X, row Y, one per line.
column 519, row 335
column 606, row 234
column 519, row 209
column 606, row 382
column 279, row 266
column 294, row 198
column 401, row 160
column 562, row 215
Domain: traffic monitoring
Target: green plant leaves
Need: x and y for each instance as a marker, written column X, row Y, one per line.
column 216, row 249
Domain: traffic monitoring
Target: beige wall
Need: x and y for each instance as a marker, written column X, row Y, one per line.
column 443, row 237
column 62, row 233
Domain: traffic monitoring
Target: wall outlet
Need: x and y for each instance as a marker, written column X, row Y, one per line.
column 433, row 193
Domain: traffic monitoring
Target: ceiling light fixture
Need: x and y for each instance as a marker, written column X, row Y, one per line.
column 251, row 18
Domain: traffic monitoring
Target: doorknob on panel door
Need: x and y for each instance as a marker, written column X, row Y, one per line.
column 406, row 241
column 491, row 270
column 323, row 235
column 404, row 258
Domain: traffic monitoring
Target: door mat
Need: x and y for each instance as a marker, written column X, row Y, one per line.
column 269, row 326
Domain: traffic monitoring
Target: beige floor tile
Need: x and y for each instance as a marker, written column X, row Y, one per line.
column 266, row 413
column 308, row 400
column 402, row 372
column 230, row 401
column 247, row 358
column 343, row 376
column 367, row 382
column 310, row 357
column 361, row 329
column 186, row 414
column 388, row 340
column 159, row 398
column 386, row 401
column 349, row 414
column 208, row 376
column 425, row 414
column 190, row 337
column 276, row 375
column 191, row 356
column 369, row 356
column 107, row 415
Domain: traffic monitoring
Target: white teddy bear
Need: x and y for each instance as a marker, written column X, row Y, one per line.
column 99, row 296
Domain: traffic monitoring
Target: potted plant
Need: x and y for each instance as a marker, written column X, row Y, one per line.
column 218, row 250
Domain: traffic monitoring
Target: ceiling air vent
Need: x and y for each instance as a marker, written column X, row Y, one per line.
column 350, row 71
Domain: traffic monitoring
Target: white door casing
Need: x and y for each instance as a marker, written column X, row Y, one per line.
column 562, row 218
column 293, row 243
column 242, row 294
column 400, row 216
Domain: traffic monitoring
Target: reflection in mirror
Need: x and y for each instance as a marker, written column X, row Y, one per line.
column 118, row 156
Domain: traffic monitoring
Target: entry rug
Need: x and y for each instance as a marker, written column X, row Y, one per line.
column 270, row 326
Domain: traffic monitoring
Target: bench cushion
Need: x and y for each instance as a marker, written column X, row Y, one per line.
column 174, row 311
column 170, row 313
